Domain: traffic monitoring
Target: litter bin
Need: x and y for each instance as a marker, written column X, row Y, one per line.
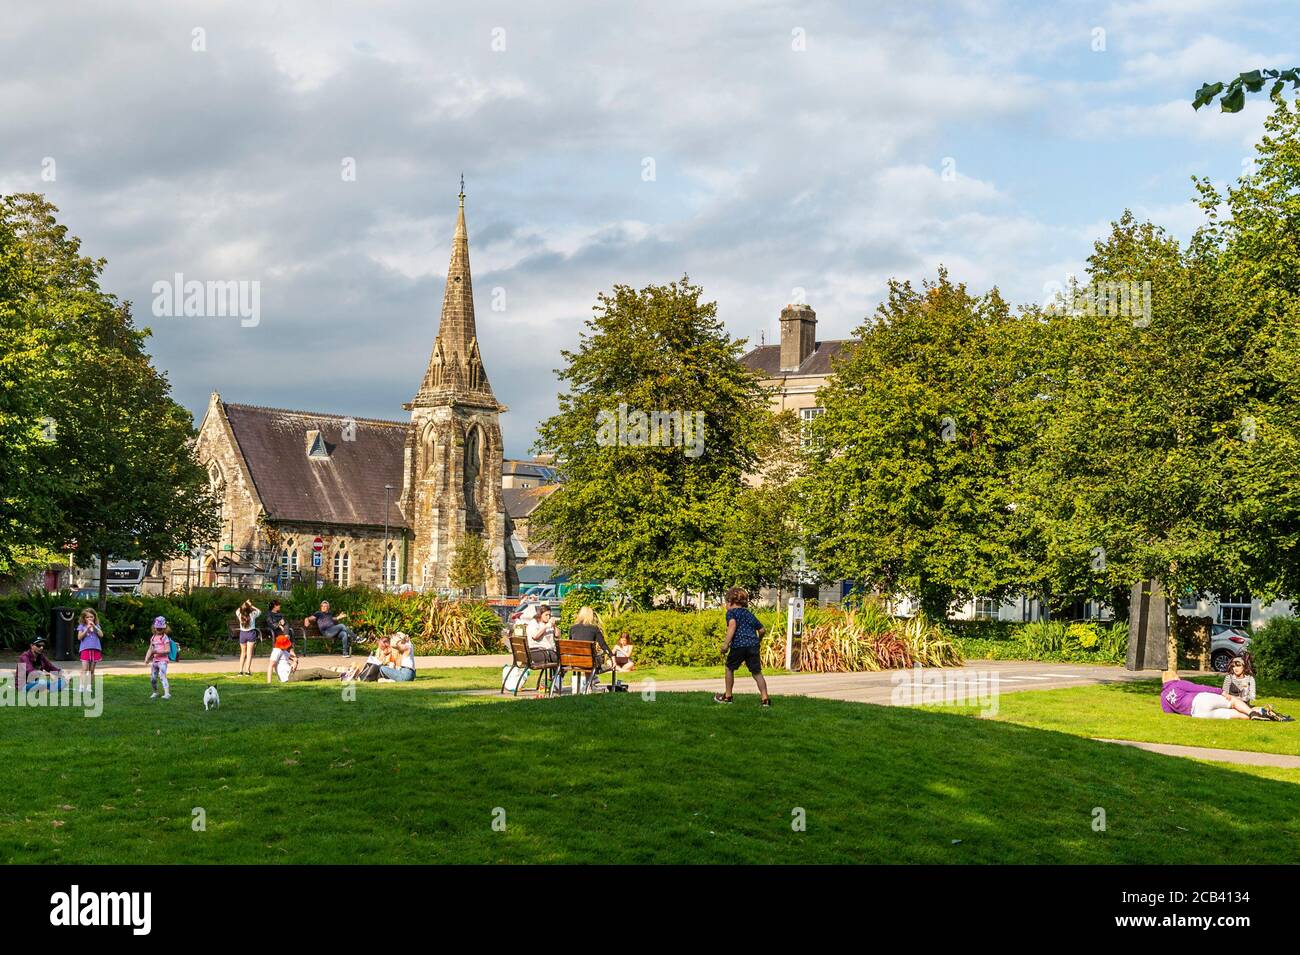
column 62, row 630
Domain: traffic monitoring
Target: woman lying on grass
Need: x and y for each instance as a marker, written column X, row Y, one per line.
column 1205, row 702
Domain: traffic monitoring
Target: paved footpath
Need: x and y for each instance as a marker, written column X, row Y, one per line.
column 1012, row 675
column 1237, row 756
column 231, row 664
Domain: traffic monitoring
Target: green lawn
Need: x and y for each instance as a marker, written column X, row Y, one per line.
column 403, row 774
column 1132, row 711
column 489, row 678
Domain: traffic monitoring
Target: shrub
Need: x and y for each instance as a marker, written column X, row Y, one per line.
column 1275, row 648
column 866, row 637
column 1054, row 641
column 1083, row 635
column 981, row 629
column 132, row 618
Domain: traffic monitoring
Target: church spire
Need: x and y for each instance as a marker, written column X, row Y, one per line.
column 455, row 365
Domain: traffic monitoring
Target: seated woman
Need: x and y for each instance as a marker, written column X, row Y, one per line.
column 623, row 654
column 383, row 655
column 1205, row 702
column 585, row 628
column 1239, row 681
column 404, row 671
column 541, row 638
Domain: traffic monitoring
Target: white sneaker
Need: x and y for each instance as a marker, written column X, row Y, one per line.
column 167, row 696
column 153, row 695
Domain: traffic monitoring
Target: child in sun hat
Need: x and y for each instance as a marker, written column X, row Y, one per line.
column 159, row 652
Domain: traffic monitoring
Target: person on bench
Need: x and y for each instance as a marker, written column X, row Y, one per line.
column 585, row 628
column 329, row 626
column 541, row 638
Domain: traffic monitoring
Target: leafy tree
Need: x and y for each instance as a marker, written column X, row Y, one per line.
column 1234, row 92
column 1131, row 469
column 909, row 487
column 759, row 546
column 45, row 283
column 471, row 565
column 122, row 480
column 1253, row 230
column 653, row 514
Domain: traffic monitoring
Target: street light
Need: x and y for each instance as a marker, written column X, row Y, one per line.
column 383, row 558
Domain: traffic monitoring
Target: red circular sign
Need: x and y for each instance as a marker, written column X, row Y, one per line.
column 318, row 545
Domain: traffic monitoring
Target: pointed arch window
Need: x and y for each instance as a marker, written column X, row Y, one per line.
column 289, row 559
column 342, row 566
column 390, row 565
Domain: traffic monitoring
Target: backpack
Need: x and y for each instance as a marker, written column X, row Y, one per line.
column 174, row 650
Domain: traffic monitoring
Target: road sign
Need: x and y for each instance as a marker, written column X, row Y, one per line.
column 317, row 545
column 315, row 559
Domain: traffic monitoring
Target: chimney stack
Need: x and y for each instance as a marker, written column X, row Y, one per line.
column 798, row 335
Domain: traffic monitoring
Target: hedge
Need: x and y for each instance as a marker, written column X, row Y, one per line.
column 1275, row 649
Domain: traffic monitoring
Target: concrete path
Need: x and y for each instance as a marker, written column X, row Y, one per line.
column 231, row 664
column 1237, row 756
column 881, row 688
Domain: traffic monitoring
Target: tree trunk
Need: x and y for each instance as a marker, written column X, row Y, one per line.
column 103, row 583
column 1171, row 608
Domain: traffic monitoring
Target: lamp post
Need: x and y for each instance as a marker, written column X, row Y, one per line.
column 383, row 560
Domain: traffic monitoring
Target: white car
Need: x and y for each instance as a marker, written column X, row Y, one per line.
column 1225, row 643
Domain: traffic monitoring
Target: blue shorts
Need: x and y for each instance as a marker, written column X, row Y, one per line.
column 248, row 636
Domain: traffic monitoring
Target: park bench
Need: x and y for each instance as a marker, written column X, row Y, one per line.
column 578, row 657
column 519, row 659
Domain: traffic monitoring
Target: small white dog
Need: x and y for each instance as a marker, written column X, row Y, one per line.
column 210, row 698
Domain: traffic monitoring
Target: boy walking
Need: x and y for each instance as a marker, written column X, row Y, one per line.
column 744, row 634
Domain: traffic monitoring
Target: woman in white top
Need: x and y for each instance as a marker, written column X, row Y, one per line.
column 541, row 638
column 404, row 672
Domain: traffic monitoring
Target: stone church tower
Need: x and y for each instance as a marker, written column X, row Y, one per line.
column 452, row 462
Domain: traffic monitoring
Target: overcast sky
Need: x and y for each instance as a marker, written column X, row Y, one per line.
column 793, row 146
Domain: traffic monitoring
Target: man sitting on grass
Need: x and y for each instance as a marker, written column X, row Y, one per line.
column 744, row 634
column 1205, row 702
column 35, row 669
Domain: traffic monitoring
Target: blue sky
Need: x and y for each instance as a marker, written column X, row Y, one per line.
column 795, row 146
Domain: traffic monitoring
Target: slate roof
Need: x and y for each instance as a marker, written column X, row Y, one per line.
column 522, row 501
column 543, row 472
column 346, row 487
column 766, row 359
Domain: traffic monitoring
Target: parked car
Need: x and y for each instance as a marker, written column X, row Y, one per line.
column 1226, row 642
column 86, row 593
column 538, row 593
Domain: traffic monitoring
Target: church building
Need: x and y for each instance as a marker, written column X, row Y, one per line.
column 390, row 501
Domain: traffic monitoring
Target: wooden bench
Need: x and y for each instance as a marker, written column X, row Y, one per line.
column 520, row 659
column 577, row 656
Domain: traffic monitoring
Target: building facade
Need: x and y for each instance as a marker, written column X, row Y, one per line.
column 389, row 500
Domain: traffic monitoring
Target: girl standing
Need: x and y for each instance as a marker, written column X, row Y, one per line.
column 246, row 617
column 156, row 657
column 90, row 638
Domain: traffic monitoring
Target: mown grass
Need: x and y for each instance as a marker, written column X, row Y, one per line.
column 1132, row 711
column 402, row 774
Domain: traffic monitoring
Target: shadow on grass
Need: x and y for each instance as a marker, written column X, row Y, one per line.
column 296, row 774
